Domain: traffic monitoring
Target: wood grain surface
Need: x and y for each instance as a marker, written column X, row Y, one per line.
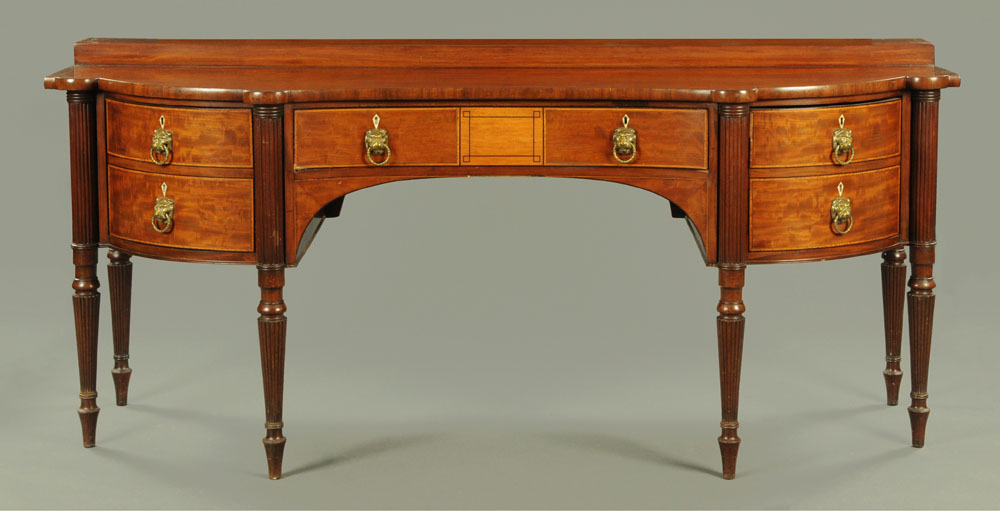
column 330, row 137
column 794, row 213
column 797, row 137
column 723, row 71
column 201, row 136
column 209, row 213
column 501, row 136
column 674, row 137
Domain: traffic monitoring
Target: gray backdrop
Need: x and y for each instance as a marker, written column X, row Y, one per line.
column 495, row 342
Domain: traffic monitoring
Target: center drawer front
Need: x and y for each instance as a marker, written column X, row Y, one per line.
column 794, row 213
column 209, row 213
column 800, row 137
column 202, row 137
column 327, row 138
column 665, row 137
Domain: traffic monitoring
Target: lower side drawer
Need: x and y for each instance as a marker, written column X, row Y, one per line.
column 793, row 213
column 208, row 213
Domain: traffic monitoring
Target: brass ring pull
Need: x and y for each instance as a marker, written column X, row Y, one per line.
column 843, row 142
column 623, row 141
column 163, row 212
column 377, row 143
column 163, row 143
column 840, row 213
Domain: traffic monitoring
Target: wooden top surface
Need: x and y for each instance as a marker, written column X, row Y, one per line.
column 280, row 71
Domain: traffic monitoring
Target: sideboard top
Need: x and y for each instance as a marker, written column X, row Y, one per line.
column 722, row 70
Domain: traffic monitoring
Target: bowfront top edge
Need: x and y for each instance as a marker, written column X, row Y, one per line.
column 723, row 71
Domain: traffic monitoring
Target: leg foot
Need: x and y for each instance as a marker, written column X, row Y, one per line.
column 893, row 291
column 730, row 330
column 918, row 424
column 121, row 376
column 274, row 448
column 88, row 422
column 729, row 447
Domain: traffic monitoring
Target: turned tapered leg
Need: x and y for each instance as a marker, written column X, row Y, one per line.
column 734, row 192
column 923, row 212
column 730, row 328
column 86, row 298
column 920, row 303
column 86, row 309
column 268, row 229
column 893, row 291
column 271, row 326
column 120, row 286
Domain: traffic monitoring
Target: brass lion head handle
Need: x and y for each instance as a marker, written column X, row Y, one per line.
column 163, row 212
column 840, row 212
column 843, row 142
column 163, row 144
column 377, row 143
column 623, row 143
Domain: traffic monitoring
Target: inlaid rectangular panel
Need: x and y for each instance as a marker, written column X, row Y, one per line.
column 794, row 213
column 799, row 137
column 209, row 213
column 665, row 137
column 501, row 136
column 335, row 137
column 204, row 137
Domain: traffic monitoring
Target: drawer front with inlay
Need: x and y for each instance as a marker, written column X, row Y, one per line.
column 167, row 210
column 801, row 213
column 203, row 137
column 671, row 137
column 829, row 135
column 350, row 137
column 502, row 136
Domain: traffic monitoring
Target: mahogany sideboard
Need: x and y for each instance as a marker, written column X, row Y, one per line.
column 235, row 151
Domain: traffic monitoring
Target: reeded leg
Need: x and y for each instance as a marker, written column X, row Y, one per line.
column 86, row 299
column 893, row 290
column 86, row 310
column 271, row 326
column 120, row 285
column 920, row 302
column 730, row 326
column 923, row 204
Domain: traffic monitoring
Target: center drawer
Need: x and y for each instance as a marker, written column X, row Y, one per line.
column 675, row 138
column 335, row 137
column 664, row 137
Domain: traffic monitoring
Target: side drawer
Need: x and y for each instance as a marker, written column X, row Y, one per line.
column 665, row 137
column 208, row 213
column 325, row 138
column 202, row 137
column 794, row 213
column 799, row 137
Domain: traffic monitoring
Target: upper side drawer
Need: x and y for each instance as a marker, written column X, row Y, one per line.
column 330, row 137
column 664, row 137
column 202, row 137
column 799, row 137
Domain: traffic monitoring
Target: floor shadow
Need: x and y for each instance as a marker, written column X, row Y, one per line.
column 364, row 450
column 176, row 413
column 625, row 448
